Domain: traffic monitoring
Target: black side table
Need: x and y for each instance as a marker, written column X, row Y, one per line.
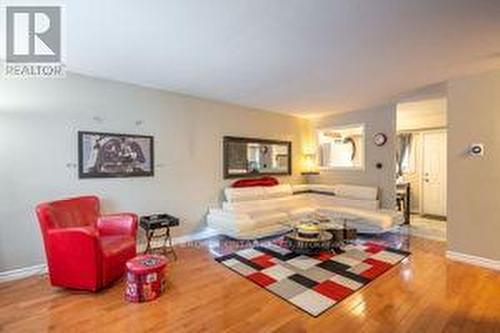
column 158, row 227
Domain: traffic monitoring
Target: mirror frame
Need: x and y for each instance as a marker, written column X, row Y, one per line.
column 228, row 139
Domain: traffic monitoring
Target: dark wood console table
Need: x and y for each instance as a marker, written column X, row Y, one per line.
column 403, row 193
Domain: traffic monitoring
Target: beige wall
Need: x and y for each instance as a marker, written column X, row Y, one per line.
column 474, row 183
column 379, row 119
column 39, row 120
column 424, row 114
column 38, row 125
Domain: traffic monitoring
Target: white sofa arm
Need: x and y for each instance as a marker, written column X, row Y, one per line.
column 230, row 223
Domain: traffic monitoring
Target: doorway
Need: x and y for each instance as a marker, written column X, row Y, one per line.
column 421, row 165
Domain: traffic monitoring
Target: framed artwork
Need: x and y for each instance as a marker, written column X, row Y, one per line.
column 108, row 155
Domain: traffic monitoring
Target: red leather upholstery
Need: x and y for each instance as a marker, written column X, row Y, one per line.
column 84, row 249
column 262, row 181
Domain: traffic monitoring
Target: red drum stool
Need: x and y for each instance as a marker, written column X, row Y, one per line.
column 145, row 277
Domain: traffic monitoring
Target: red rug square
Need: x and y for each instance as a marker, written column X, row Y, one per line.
column 323, row 256
column 263, row 261
column 373, row 248
column 333, row 290
column 378, row 267
column 261, row 279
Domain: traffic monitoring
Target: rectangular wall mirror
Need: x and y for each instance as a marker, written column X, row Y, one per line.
column 342, row 147
column 247, row 157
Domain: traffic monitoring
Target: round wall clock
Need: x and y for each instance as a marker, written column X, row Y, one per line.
column 380, row 139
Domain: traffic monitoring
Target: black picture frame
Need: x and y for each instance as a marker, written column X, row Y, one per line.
column 229, row 139
column 137, row 172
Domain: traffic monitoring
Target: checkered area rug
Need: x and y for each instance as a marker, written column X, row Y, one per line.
column 313, row 283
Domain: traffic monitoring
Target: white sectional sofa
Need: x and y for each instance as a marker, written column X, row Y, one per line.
column 255, row 212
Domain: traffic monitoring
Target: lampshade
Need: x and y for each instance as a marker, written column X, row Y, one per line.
column 309, row 163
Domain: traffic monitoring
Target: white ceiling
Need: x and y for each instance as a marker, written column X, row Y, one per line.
column 296, row 56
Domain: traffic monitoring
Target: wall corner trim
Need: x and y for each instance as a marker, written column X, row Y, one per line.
column 25, row 272
column 474, row 260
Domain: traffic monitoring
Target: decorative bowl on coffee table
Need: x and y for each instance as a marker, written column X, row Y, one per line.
column 308, row 238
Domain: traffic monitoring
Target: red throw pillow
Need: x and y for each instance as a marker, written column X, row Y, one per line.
column 262, row 181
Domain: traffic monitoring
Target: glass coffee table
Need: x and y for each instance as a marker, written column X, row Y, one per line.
column 331, row 235
column 302, row 243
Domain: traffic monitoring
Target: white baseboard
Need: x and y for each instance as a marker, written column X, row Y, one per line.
column 474, row 260
column 204, row 234
column 24, row 272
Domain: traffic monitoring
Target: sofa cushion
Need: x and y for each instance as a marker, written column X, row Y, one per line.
column 282, row 204
column 320, row 188
column 356, row 192
column 252, row 220
column 299, row 188
column 301, row 212
column 244, row 193
column 327, row 200
column 266, row 218
column 383, row 218
column 278, row 191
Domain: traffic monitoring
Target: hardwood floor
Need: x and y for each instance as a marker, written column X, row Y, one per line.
column 425, row 293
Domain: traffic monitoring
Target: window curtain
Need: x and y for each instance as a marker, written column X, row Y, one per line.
column 403, row 151
column 325, row 154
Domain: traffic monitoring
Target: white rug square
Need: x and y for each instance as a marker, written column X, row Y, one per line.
column 312, row 302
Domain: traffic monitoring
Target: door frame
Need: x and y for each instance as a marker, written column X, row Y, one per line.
column 421, row 166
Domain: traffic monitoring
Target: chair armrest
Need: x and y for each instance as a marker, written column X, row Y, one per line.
column 117, row 224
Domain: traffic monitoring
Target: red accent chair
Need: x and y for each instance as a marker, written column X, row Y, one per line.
column 85, row 250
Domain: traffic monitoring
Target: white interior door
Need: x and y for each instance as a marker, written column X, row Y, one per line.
column 434, row 173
